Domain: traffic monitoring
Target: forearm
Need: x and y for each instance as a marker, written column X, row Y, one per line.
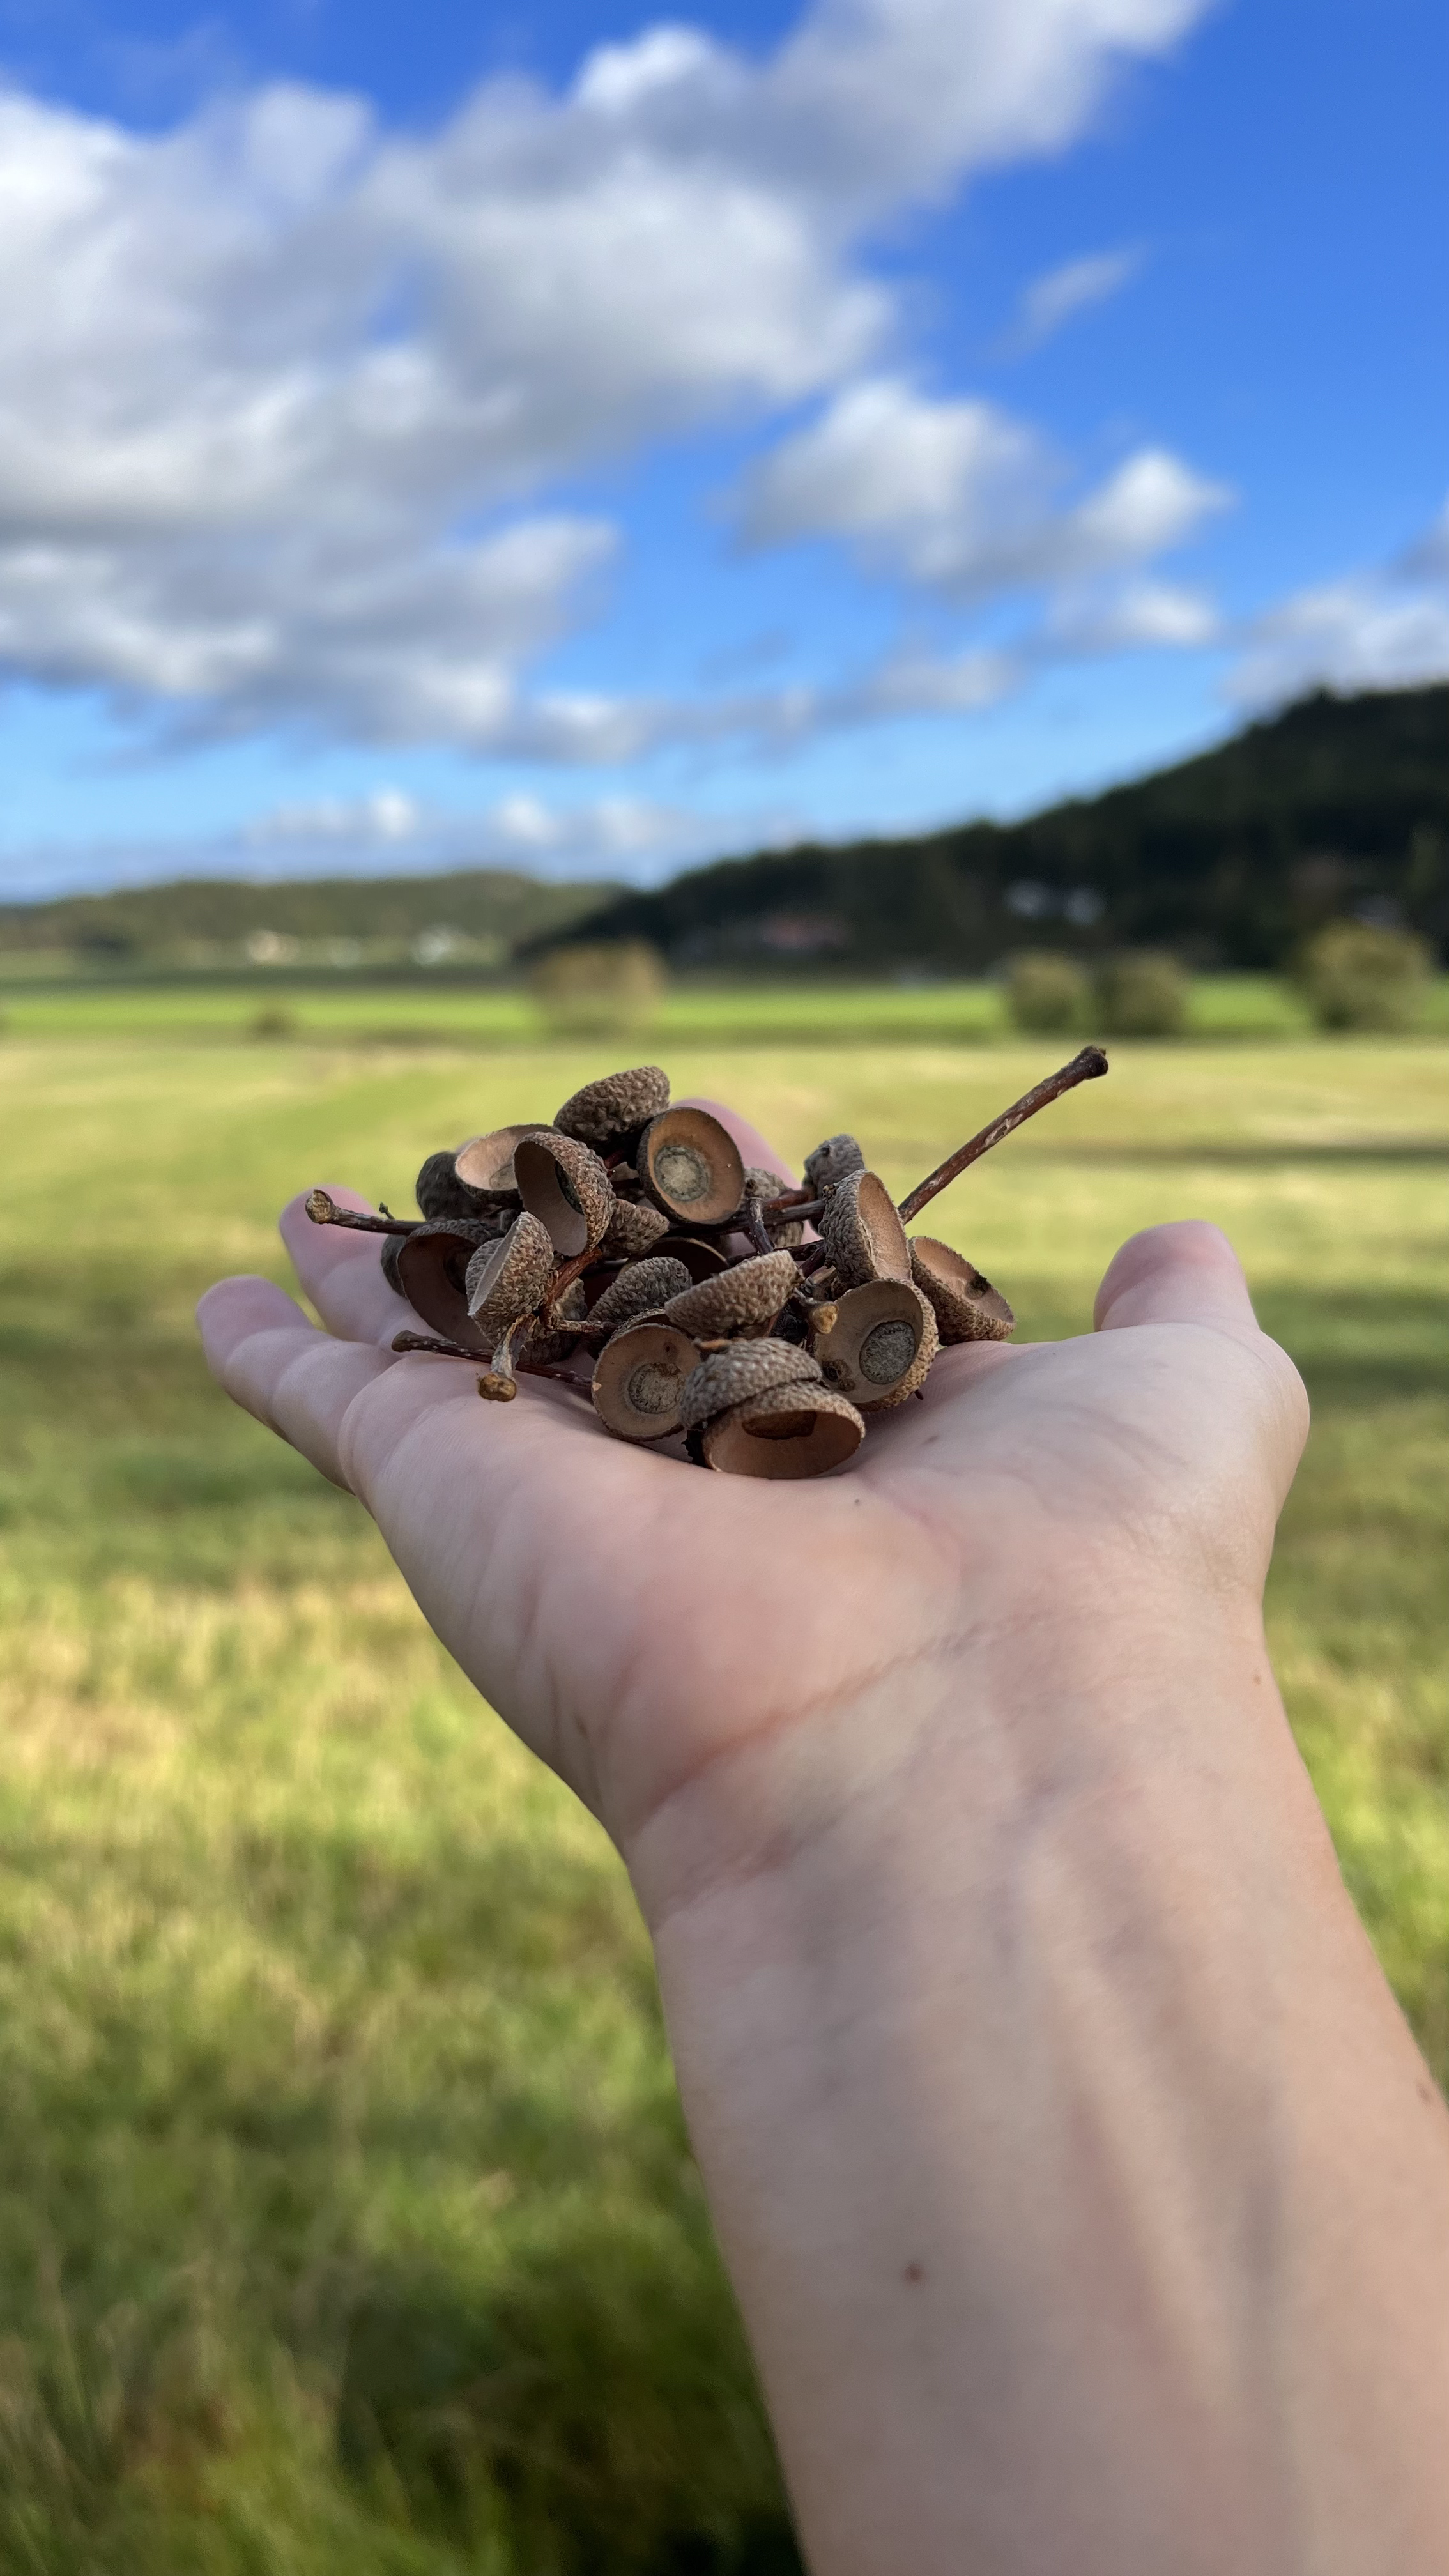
column 1085, row 2197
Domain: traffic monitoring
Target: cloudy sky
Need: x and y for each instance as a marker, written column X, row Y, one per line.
column 595, row 440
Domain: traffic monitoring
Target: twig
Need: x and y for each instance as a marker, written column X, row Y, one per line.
column 1083, row 1068
column 323, row 1209
column 754, row 1225
column 441, row 1349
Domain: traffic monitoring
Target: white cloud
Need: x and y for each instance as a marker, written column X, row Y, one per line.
column 1140, row 614
column 1078, row 284
column 271, row 378
column 958, row 494
column 1384, row 628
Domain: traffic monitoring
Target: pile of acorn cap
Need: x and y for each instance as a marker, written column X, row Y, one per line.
column 629, row 1240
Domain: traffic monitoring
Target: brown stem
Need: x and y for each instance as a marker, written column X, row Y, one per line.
column 560, row 1284
column 443, row 1350
column 323, row 1209
column 753, row 1224
column 1083, row 1068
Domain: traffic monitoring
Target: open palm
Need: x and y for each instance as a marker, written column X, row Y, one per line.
column 644, row 1626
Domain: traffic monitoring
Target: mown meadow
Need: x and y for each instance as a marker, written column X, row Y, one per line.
column 347, row 2221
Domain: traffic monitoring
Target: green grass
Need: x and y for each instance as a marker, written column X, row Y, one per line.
column 344, row 1011
column 347, row 2223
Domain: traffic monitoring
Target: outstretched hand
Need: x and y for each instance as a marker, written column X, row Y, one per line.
column 646, row 1627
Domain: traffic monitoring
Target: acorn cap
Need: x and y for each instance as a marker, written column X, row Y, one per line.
column 640, row 1289
column 862, row 1234
column 773, row 1185
column 832, row 1163
column 639, row 1378
column 486, row 1162
column 505, row 1280
column 392, row 1246
column 786, row 1431
column 753, row 1292
column 432, row 1265
column 634, row 1228
column 540, row 1343
column 702, row 1260
column 615, row 1105
column 967, row 1308
column 566, row 1186
column 876, row 1342
column 727, row 1377
column 691, row 1167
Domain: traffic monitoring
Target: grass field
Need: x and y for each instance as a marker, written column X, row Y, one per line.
column 347, row 2225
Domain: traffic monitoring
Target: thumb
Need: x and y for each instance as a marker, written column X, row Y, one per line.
column 1176, row 1274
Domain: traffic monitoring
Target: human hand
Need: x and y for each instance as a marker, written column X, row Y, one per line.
column 653, row 1631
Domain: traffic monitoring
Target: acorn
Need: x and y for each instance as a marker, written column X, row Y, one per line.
column 432, row 1265
column 691, row 1167
column 862, row 1233
column 727, row 1377
column 784, row 1431
column 633, row 1229
column 773, row 1185
column 832, row 1163
column 486, row 1162
column 615, row 1106
column 747, row 1297
column 439, row 1191
column 566, row 1186
column 508, row 1279
column 876, row 1342
column 640, row 1289
column 639, row 1378
column 967, row 1308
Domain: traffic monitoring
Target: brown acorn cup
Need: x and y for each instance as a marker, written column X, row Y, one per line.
column 641, row 1289
column 433, row 1267
column 614, row 1106
column 486, row 1162
column 634, row 1229
column 966, row 1306
column 691, row 1167
column 832, row 1163
column 876, row 1343
column 566, row 1187
column 733, row 1301
column 786, row 1431
column 392, row 1246
column 702, row 1260
column 742, row 1370
column 862, row 1234
column 508, row 1279
column 639, row 1378
column 439, row 1192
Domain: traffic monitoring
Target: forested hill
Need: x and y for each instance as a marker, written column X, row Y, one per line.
column 1339, row 805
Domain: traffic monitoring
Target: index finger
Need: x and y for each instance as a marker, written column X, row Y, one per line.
column 342, row 1271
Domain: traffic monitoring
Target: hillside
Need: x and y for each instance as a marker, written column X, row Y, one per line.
column 475, row 918
column 1338, row 805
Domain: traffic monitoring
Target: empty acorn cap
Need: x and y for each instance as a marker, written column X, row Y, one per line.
column 486, row 1162
column 392, row 1246
column 439, row 1192
column 564, row 1184
column 641, row 1289
column 727, row 1377
column 833, row 1162
column 877, row 1344
column 432, row 1265
column 639, row 1378
column 691, row 1167
column 785, row 1431
column 702, row 1260
column 634, row 1228
column 505, row 1280
column 862, row 1234
column 753, row 1292
column 615, row 1105
column 967, row 1307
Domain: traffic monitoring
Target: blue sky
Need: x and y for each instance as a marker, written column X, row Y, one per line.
column 592, row 440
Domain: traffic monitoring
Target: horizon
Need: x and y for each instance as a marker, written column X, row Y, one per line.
column 597, row 448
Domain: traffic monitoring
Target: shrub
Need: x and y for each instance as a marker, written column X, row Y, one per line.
column 1045, row 992
column 1359, row 976
column 273, row 1022
column 1139, row 994
column 599, row 989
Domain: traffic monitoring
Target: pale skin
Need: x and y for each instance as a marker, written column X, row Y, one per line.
column 1084, row 2194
